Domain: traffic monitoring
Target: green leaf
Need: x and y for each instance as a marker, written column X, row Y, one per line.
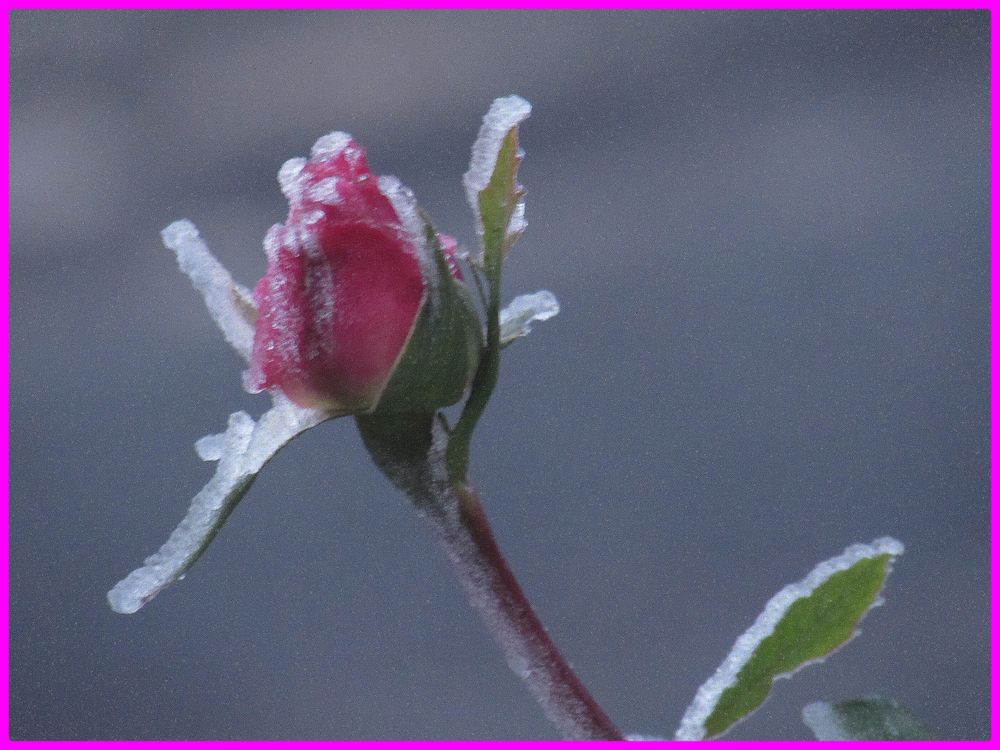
column 801, row 624
column 499, row 200
column 864, row 719
column 491, row 185
column 241, row 452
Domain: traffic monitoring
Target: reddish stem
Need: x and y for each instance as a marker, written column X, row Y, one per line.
column 495, row 593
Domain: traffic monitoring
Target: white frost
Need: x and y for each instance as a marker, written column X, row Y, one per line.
column 290, row 178
column 404, row 203
column 230, row 305
column 505, row 113
column 325, row 191
column 330, row 145
column 517, row 317
column 693, row 723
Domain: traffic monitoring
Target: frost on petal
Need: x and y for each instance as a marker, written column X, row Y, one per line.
column 404, row 203
column 525, row 309
column 325, row 192
column 241, row 452
column 803, row 629
column 330, row 146
column 230, row 305
column 290, row 178
column 505, row 114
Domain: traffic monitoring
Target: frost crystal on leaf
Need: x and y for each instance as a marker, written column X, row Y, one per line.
column 230, row 305
column 692, row 725
column 505, row 113
column 525, row 309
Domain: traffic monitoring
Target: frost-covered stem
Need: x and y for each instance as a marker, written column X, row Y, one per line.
column 495, row 594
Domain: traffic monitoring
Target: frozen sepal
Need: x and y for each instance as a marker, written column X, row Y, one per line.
column 525, row 309
column 491, row 186
column 242, row 450
column 230, row 305
column 801, row 624
column 864, row 719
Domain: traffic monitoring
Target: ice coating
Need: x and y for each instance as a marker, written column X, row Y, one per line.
column 692, row 725
column 229, row 304
column 241, row 452
column 449, row 246
column 525, row 309
column 505, row 113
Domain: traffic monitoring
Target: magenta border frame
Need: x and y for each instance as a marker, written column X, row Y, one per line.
column 994, row 319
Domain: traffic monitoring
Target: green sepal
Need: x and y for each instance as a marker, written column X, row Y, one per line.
column 873, row 718
column 443, row 350
column 404, row 448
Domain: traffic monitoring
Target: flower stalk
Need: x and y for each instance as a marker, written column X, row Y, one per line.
column 496, row 595
column 412, row 456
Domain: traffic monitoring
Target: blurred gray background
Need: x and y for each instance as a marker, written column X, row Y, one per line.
column 768, row 232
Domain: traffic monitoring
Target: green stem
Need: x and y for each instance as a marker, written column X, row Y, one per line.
column 484, row 381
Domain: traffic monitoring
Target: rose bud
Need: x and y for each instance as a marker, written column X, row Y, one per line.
column 362, row 308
